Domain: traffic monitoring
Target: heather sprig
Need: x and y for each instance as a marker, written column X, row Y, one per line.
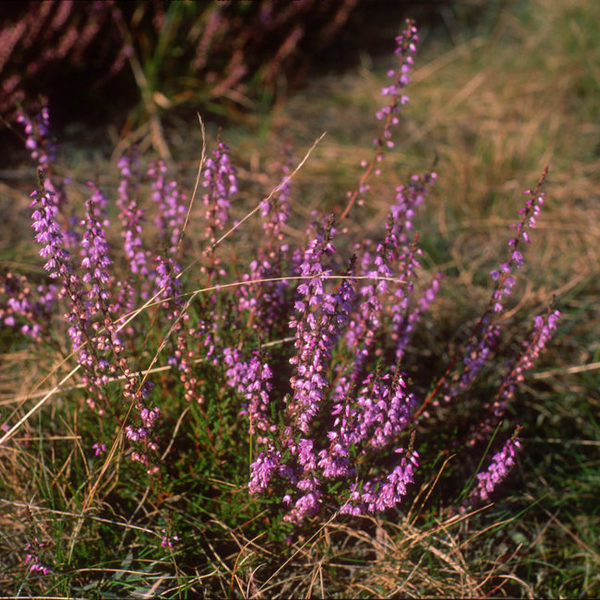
column 48, row 232
column 473, row 354
column 25, row 307
column 131, row 215
column 541, row 332
column 497, row 470
column 405, row 49
column 393, row 258
column 266, row 300
column 32, row 558
column 170, row 201
column 37, row 138
column 220, row 183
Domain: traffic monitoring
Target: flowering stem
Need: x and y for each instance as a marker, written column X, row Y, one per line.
column 489, row 310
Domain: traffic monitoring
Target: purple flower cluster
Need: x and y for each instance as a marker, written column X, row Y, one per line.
column 94, row 249
column 406, row 48
column 32, row 559
column 49, row 235
column 43, row 152
column 167, row 539
column 37, row 138
column 95, row 298
column 220, row 183
column 332, row 419
column 319, row 323
column 170, row 201
column 379, row 494
column 485, row 335
column 252, row 380
column 529, row 215
column 329, row 429
column 531, row 348
column 25, row 306
column 391, row 271
column 131, row 215
column 496, row 472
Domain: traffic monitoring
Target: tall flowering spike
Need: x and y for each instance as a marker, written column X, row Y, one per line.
column 170, row 201
column 94, row 251
column 220, row 183
column 541, row 332
column 43, row 152
column 496, row 472
column 529, row 215
column 37, row 140
column 131, row 215
column 276, row 210
column 321, row 317
column 485, row 333
column 48, row 233
column 406, row 48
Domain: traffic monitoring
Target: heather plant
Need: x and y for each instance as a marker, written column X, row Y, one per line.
column 284, row 376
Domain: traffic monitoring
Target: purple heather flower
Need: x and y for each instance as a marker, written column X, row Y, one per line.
column 528, row 213
column 384, row 492
column 22, row 306
column 49, row 234
column 221, row 184
column 320, row 322
column 406, row 50
column 131, row 215
column 394, row 257
column 32, row 558
column 497, row 471
column 308, row 505
column 94, row 251
column 171, row 205
column 43, row 152
column 98, row 448
column 167, row 540
column 381, row 412
column 37, row 139
column 252, row 380
column 263, row 469
column 166, row 282
column 541, row 332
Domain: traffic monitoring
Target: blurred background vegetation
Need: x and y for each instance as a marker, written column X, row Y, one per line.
column 500, row 90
